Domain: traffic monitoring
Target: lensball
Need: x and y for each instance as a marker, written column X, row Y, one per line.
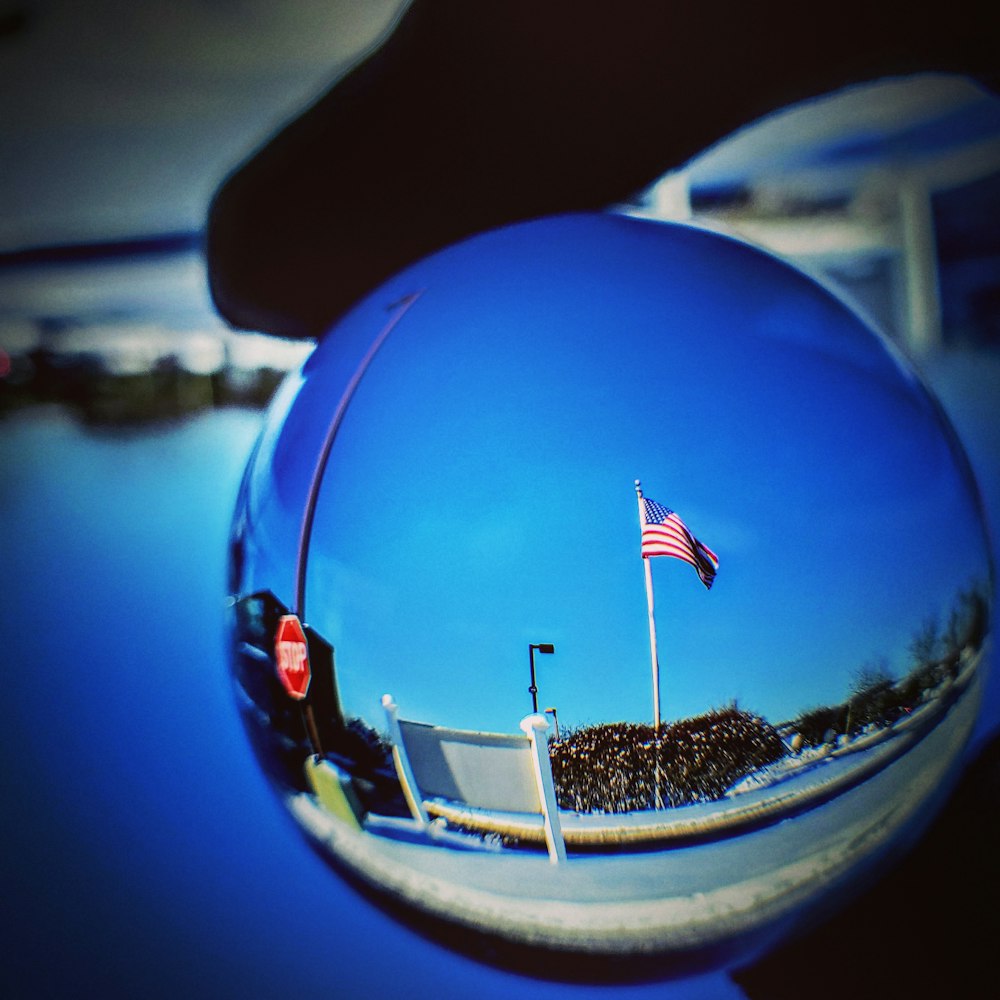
column 608, row 593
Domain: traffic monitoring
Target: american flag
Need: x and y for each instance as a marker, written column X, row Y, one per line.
column 665, row 534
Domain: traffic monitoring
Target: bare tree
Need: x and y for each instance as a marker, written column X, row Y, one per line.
column 924, row 644
column 871, row 676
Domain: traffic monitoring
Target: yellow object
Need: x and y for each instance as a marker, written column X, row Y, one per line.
column 334, row 791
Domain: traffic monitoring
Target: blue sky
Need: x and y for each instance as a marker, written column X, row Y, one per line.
column 480, row 495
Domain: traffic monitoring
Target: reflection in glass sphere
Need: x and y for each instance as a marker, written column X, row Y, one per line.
column 484, row 703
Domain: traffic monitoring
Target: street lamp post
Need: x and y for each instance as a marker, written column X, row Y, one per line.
column 542, row 647
column 555, row 719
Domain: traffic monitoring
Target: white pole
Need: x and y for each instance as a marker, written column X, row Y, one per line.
column 654, row 658
column 923, row 297
column 533, row 726
column 404, row 771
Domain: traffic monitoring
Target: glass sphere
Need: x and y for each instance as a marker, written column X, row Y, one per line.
column 564, row 718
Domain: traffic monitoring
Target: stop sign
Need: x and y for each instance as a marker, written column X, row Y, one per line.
column 293, row 656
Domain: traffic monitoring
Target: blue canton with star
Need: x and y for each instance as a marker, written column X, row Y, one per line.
column 656, row 513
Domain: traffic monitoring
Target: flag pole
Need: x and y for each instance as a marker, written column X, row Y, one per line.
column 654, row 658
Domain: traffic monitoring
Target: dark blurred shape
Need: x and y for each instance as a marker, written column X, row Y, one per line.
column 115, row 401
column 13, row 20
column 927, row 929
column 164, row 244
column 276, row 725
column 968, row 244
column 474, row 115
column 256, row 619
